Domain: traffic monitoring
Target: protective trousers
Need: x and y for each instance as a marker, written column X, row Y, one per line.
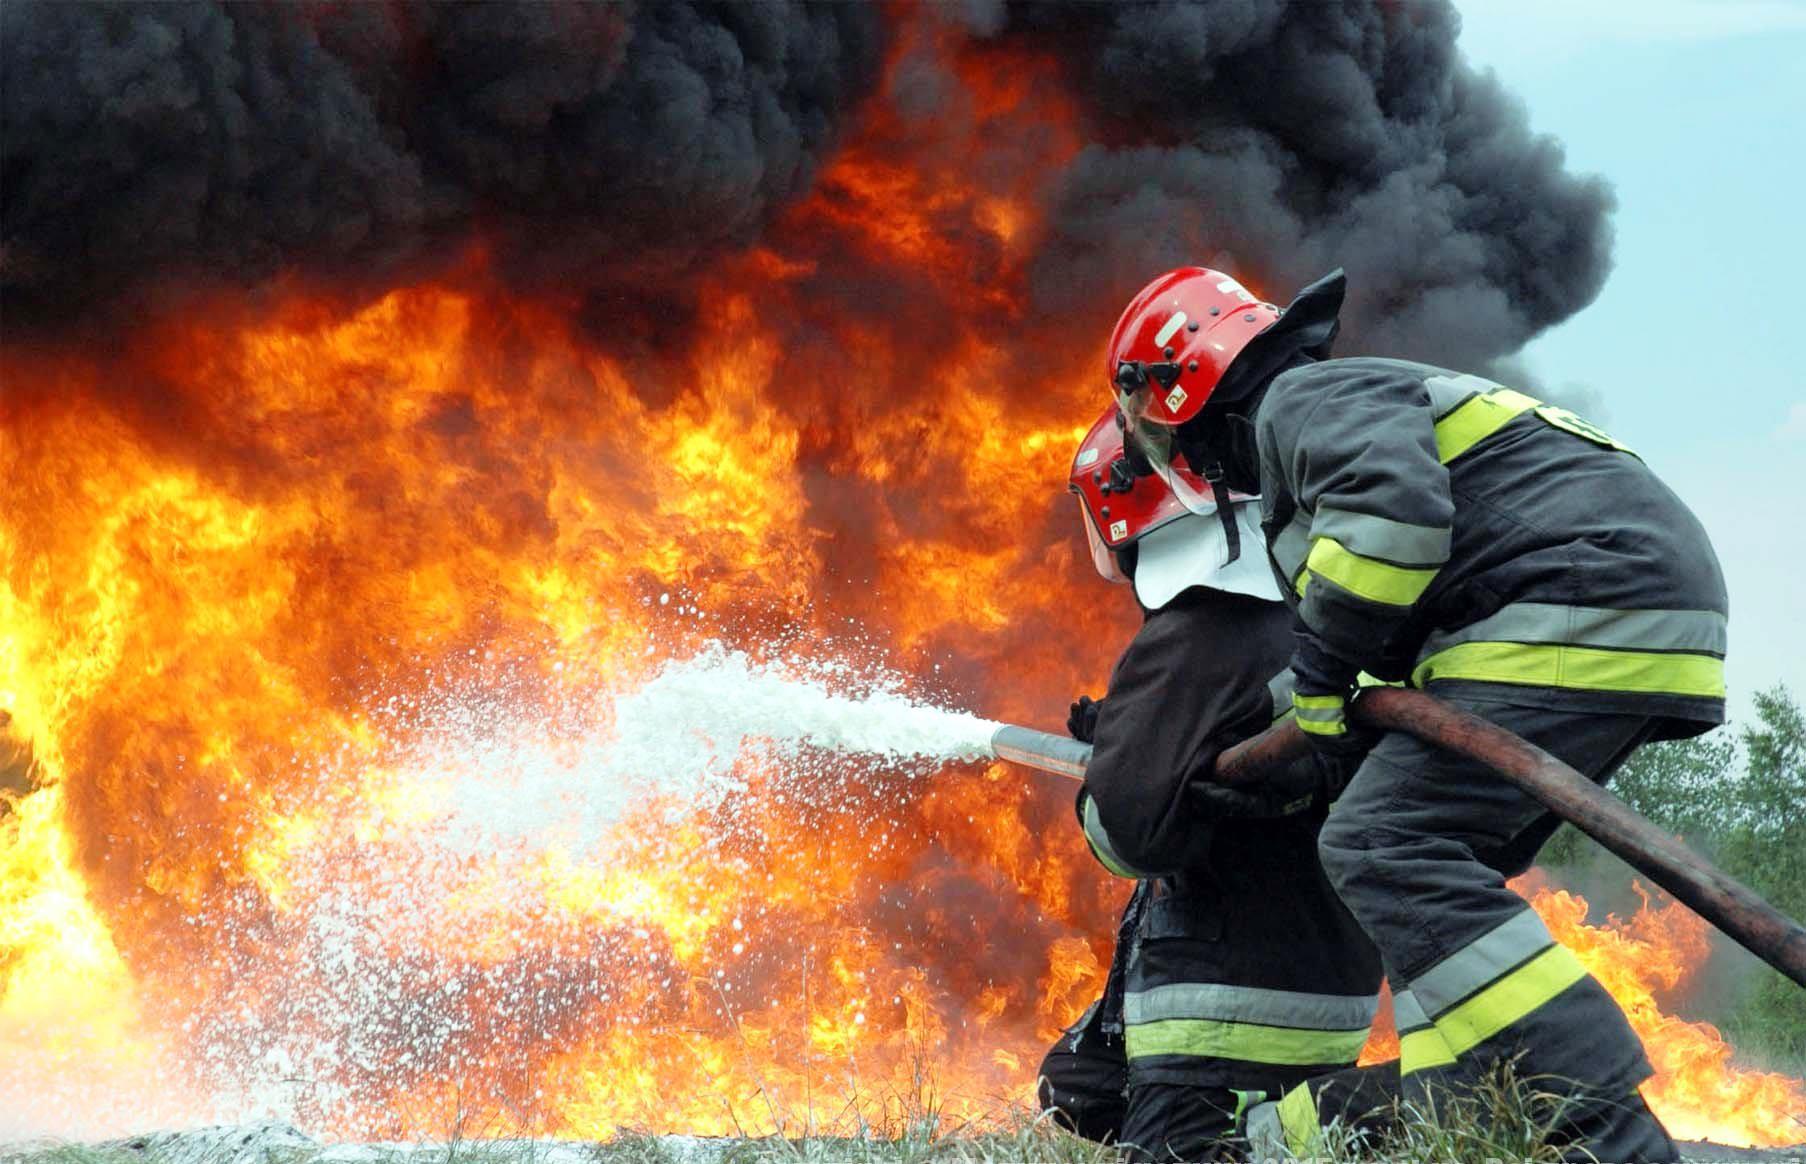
column 1085, row 1084
column 1084, row 1080
column 1363, row 1101
column 1419, row 847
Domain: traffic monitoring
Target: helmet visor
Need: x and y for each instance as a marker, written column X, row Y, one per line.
column 1158, row 445
column 1101, row 558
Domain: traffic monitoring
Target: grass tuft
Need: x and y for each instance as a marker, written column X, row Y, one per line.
column 1506, row 1117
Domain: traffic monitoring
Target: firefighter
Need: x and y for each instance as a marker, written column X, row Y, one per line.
column 1237, row 974
column 1436, row 528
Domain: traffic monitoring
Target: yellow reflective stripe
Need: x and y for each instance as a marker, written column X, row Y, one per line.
column 1420, row 1050
column 1098, row 840
column 1249, row 1042
column 1321, row 715
column 1298, row 1120
column 1509, row 999
column 1581, row 668
column 1108, row 861
column 1478, row 419
column 1367, row 578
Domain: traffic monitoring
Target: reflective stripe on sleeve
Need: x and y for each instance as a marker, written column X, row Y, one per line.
column 1366, row 578
column 1291, row 546
column 1279, row 688
column 1321, row 715
column 1396, row 542
column 1101, row 848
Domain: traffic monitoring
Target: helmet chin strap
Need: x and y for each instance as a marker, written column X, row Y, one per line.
column 1232, row 530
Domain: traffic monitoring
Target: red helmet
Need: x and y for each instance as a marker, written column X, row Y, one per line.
column 1177, row 338
column 1118, row 507
column 1169, row 352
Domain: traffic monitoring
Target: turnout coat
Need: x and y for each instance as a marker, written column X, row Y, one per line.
column 1438, row 528
column 1243, row 970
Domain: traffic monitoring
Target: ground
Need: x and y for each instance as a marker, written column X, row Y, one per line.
column 276, row 1144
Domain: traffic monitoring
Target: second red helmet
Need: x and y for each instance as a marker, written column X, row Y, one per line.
column 1117, row 506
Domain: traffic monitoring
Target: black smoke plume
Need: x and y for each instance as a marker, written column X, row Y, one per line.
column 1283, row 139
column 153, row 149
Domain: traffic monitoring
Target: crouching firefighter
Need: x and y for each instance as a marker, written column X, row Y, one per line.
column 1237, row 974
column 1434, row 527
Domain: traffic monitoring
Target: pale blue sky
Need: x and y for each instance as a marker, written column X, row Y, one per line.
column 1696, row 112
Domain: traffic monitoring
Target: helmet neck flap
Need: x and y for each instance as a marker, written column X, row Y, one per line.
column 1223, row 432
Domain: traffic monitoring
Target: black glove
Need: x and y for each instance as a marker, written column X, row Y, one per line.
column 1335, row 770
column 1270, row 799
column 1081, row 718
column 1324, row 683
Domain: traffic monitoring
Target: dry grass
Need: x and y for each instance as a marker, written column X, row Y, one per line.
column 1506, row 1121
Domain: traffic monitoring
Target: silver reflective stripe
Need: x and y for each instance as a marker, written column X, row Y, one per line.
column 1321, row 714
column 1249, row 1004
column 1101, row 846
column 1280, row 688
column 1380, row 537
column 1292, row 545
column 1447, row 393
column 1407, row 1015
column 1697, row 631
column 1479, row 962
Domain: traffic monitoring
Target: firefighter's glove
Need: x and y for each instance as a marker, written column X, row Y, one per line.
column 1081, row 718
column 1265, row 801
column 1323, row 687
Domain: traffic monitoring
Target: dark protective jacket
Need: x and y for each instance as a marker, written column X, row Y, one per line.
column 1245, row 971
column 1441, row 528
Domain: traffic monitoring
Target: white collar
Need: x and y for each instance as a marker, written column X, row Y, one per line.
column 1193, row 551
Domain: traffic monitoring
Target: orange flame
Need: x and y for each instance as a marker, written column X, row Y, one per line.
column 273, row 583
column 1696, row 1090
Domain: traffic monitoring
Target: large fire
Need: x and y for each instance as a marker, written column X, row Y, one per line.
column 277, row 577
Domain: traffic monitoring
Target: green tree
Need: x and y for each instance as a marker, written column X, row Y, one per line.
column 1765, row 847
column 1741, row 801
column 1684, row 786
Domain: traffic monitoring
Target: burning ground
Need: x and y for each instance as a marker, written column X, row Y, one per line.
column 387, row 389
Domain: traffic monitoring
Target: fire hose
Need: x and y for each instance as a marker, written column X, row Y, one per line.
column 1756, row 925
